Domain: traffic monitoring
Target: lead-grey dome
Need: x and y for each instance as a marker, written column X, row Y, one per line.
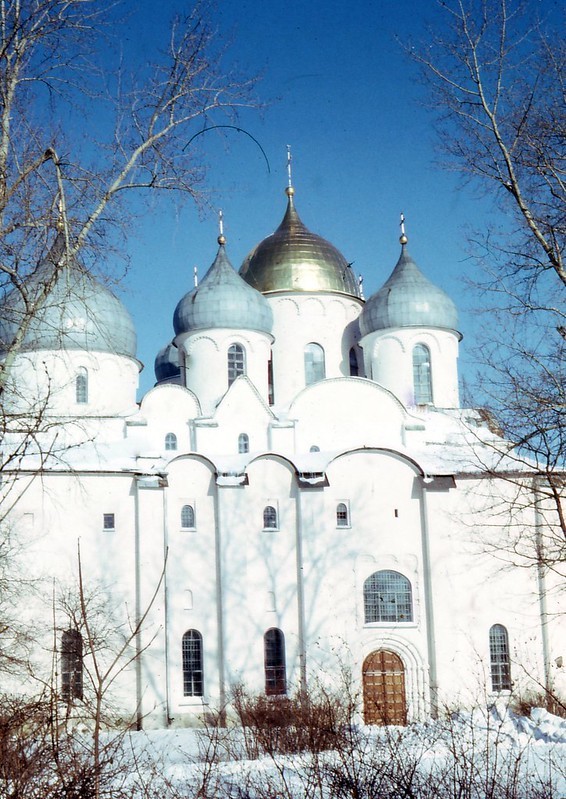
column 408, row 299
column 222, row 299
column 78, row 313
column 167, row 363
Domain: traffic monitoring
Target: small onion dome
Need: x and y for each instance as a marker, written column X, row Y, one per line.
column 408, row 299
column 222, row 299
column 78, row 313
column 167, row 363
column 294, row 259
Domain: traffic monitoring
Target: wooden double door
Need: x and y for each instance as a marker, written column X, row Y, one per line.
column 383, row 676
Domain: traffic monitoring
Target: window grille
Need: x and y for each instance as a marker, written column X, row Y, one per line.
column 422, row 377
column 236, row 362
column 499, row 658
column 269, row 518
column 387, row 598
column 274, row 662
column 187, row 517
column 71, row 665
column 170, row 441
column 193, row 683
column 314, row 364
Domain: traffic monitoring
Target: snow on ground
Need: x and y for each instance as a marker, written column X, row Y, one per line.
column 482, row 754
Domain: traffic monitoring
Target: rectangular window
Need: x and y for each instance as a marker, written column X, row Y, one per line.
column 108, row 521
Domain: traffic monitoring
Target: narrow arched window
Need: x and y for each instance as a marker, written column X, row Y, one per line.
column 71, row 665
column 499, row 658
column 243, row 443
column 274, row 662
column 193, row 682
column 354, row 368
column 342, row 515
column 81, row 386
column 269, row 518
column 170, row 441
column 314, row 363
column 236, row 362
column 188, row 517
column 387, row 598
column 422, row 375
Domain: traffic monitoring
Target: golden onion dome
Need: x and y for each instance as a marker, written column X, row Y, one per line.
column 294, row 259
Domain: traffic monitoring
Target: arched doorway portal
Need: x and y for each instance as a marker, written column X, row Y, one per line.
column 384, row 688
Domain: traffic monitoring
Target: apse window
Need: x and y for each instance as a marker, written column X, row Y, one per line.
column 342, row 515
column 236, row 362
column 499, row 658
column 71, row 665
column 193, row 682
column 108, row 522
column 170, row 441
column 81, row 386
column 274, row 662
column 387, row 598
column 270, row 518
column 422, row 376
column 243, row 443
column 188, row 517
column 314, row 363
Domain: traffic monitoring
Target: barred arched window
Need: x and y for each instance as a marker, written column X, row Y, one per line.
column 193, row 683
column 170, row 441
column 342, row 515
column 387, row 598
column 274, row 662
column 499, row 658
column 315, row 369
column 243, row 443
column 422, row 376
column 71, row 665
column 269, row 518
column 81, row 386
column 236, row 362
column 187, row 517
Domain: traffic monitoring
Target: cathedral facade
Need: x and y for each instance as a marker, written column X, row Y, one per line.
column 299, row 496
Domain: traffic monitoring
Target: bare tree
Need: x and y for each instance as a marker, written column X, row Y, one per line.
column 84, row 135
column 83, row 175
column 496, row 77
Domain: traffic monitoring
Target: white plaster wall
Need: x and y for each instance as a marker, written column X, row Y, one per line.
column 204, row 358
column 388, row 358
column 329, row 320
column 346, row 413
column 47, row 379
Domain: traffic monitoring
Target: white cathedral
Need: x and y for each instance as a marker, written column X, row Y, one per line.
column 299, row 495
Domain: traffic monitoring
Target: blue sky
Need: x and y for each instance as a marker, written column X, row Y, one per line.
column 342, row 92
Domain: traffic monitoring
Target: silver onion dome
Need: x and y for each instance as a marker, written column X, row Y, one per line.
column 76, row 313
column 222, row 300
column 408, row 299
column 167, row 363
column 294, row 259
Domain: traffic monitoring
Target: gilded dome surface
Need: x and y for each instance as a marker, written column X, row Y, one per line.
column 167, row 363
column 78, row 313
column 294, row 259
column 222, row 299
column 408, row 299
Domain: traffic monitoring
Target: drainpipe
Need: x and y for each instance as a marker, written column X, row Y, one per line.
column 301, row 623
column 428, row 603
column 541, row 579
column 219, row 603
column 166, row 607
column 137, row 578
